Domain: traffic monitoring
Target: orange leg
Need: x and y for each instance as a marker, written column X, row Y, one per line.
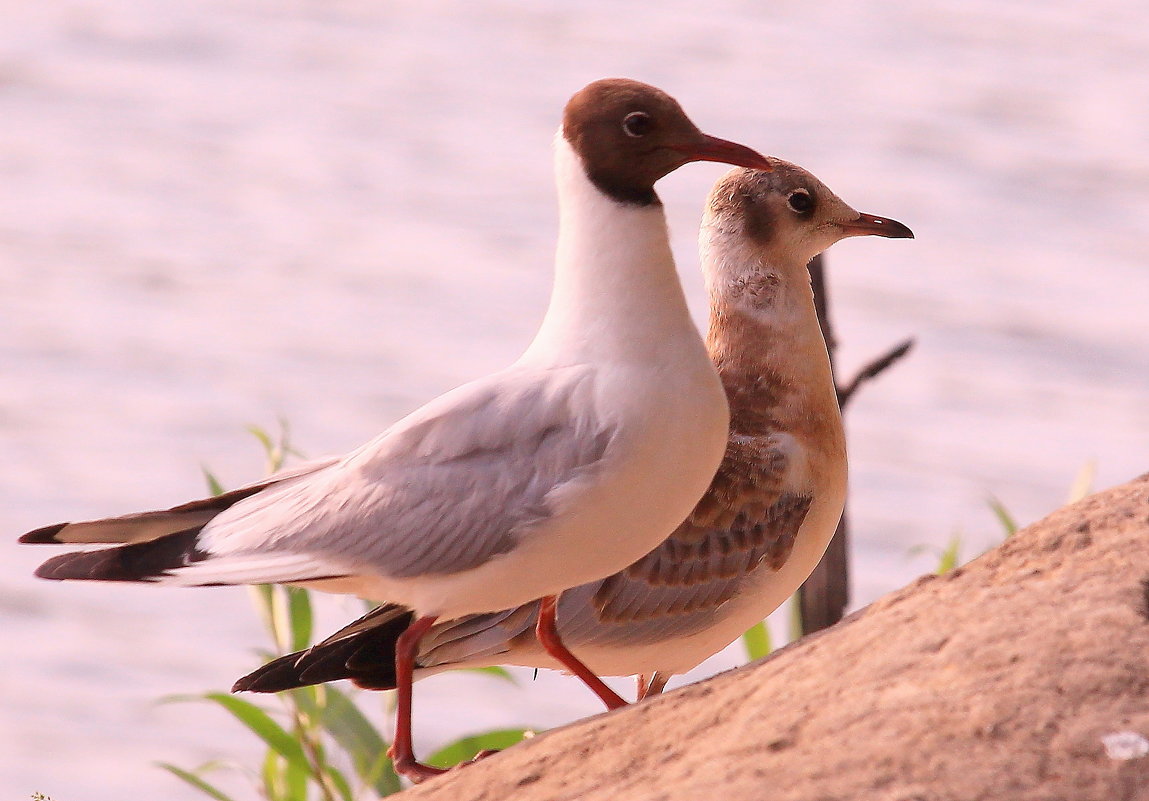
column 548, row 636
column 401, row 751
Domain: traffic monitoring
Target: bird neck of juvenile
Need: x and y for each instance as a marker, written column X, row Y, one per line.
column 616, row 292
column 766, row 342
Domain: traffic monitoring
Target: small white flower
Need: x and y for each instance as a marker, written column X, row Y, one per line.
column 1125, row 745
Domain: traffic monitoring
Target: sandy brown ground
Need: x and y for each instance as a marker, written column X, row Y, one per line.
column 1003, row 680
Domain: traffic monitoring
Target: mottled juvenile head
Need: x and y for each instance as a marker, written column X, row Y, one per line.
column 628, row 135
column 784, row 217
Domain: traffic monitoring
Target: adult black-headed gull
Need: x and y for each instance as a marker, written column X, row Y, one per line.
column 770, row 510
column 571, row 463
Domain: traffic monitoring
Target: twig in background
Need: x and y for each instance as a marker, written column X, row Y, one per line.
column 824, row 596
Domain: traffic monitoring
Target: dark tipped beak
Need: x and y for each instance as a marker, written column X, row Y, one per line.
column 872, row 225
column 711, row 148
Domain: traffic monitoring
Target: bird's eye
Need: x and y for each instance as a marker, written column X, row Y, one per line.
column 637, row 123
column 800, row 201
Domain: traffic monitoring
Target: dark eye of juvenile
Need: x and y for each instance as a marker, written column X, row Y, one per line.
column 637, row 123
column 800, row 201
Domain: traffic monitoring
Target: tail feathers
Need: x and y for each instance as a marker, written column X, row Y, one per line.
column 366, row 656
column 146, row 526
column 45, row 535
column 143, row 526
column 142, row 561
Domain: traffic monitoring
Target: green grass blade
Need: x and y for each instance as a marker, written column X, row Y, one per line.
column 339, row 781
column 289, row 617
column 275, row 450
column 344, row 721
column 756, row 639
column 261, row 724
column 280, row 622
column 295, row 780
column 265, row 440
column 467, row 748
column 950, row 557
column 300, row 616
column 356, row 735
column 1003, row 516
column 196, row 782
column 272, row 773
column 796, row 630
column 213, row 484
column 263, row 598
column 272, row 458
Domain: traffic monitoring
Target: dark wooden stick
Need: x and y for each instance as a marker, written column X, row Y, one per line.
column 873, row 369
column 826, row 593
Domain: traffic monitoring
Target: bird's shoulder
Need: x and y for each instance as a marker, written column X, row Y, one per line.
column 491, row 414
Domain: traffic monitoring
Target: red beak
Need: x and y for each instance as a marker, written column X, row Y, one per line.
column 711, row 148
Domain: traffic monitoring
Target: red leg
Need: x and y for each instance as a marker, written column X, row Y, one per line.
column 401, row 751
column 548, row 636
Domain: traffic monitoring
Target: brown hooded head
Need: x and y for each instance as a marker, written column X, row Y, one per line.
column 628, row 135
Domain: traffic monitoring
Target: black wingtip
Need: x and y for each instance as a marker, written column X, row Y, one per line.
column 141, row 561
column 366, row 658
column 276, row 676
column 58, row 568
column 105, row 565
column 45, row 535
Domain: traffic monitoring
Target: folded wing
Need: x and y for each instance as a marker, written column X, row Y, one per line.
column 448, row 488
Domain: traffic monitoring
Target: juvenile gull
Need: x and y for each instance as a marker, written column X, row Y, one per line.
column 568, row 465
column 769, row 512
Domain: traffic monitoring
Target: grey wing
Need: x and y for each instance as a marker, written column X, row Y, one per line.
column 746, row 522
column 449, row 488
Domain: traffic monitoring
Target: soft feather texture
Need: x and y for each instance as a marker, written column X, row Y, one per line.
column 563, row 468
column 443, row 491
column 354, row 649
column 145, row 526
column 453, row 487
column 773, row 504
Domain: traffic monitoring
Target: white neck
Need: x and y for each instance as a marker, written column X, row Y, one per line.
column 616, row 293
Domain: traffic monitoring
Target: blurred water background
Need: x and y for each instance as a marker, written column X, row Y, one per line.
column 222, row 212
